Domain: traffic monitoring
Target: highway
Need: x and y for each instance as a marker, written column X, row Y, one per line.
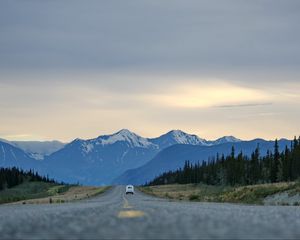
column 115, row 215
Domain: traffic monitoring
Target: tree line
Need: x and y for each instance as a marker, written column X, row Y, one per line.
column 239, row 169
column 10, row 177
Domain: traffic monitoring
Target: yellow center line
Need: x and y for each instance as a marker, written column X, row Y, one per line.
column 129, row 213
column 126, row 203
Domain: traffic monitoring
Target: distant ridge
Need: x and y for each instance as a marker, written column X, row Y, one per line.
column 109, row 158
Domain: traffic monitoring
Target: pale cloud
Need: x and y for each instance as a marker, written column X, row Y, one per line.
column 213, row 93
column 257, row 104
column 64, row 111
column 22, row 137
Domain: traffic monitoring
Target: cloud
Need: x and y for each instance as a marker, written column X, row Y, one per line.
column 151, row 36
column 21, row 137
column 210, row 94
column 245, row 105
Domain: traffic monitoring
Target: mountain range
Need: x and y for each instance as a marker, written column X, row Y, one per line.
column 120, row 158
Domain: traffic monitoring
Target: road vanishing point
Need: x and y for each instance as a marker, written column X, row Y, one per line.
column 114, row 215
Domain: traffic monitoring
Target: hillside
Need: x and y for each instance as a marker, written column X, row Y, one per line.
column 175, row 156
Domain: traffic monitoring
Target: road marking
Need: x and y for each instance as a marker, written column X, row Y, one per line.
column 127, row 206
column 131, row 214
column 126, row 203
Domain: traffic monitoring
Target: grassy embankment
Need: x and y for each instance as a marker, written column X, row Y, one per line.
column 254, row 194
column 41, row 192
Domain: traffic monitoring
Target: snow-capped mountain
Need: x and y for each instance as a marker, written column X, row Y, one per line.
column 177, row 137
column 124, row 135
column 99, row 160
column 38, row 150
column 134, row 140
column 225, row 139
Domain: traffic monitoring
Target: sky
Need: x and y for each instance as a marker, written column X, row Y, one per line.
column 78, row 69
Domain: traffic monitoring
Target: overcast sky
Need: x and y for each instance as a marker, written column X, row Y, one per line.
column 73, row 68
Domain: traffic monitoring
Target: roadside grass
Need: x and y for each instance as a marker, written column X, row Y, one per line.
column 73, row 193
column 41, row 193
column 253, row 194
column 199, row 192
column 31, row 190
column 77, row 193
column 257, row 193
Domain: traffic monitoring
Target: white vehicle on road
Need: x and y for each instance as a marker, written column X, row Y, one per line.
column 129, row 189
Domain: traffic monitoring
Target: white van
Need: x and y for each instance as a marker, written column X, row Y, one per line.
column 129, row 189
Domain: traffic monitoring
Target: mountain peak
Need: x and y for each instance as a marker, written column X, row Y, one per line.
column 226, row 139
column 77, row 140
column 185, row 138
column 177, row 132
column 124, row 131
column 126, row 136
column 177, row 137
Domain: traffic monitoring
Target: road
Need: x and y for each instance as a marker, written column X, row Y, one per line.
column 114, row 215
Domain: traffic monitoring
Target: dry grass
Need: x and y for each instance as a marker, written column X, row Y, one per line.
column 199, row 192
column 254, row 194
column 72, row 194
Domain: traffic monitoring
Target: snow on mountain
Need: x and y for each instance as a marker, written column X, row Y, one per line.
column 225, row 139
column 177, row 137
column 87, row 147
column 131, row 139
column 127, row 136
column 184, row 138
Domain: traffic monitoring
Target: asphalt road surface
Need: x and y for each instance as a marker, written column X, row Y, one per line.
column 115, row 215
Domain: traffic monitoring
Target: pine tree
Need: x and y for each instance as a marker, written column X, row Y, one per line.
column 240, row 170
column 275, row 162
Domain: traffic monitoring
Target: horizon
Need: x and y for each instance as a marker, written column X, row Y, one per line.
column 147, row 137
